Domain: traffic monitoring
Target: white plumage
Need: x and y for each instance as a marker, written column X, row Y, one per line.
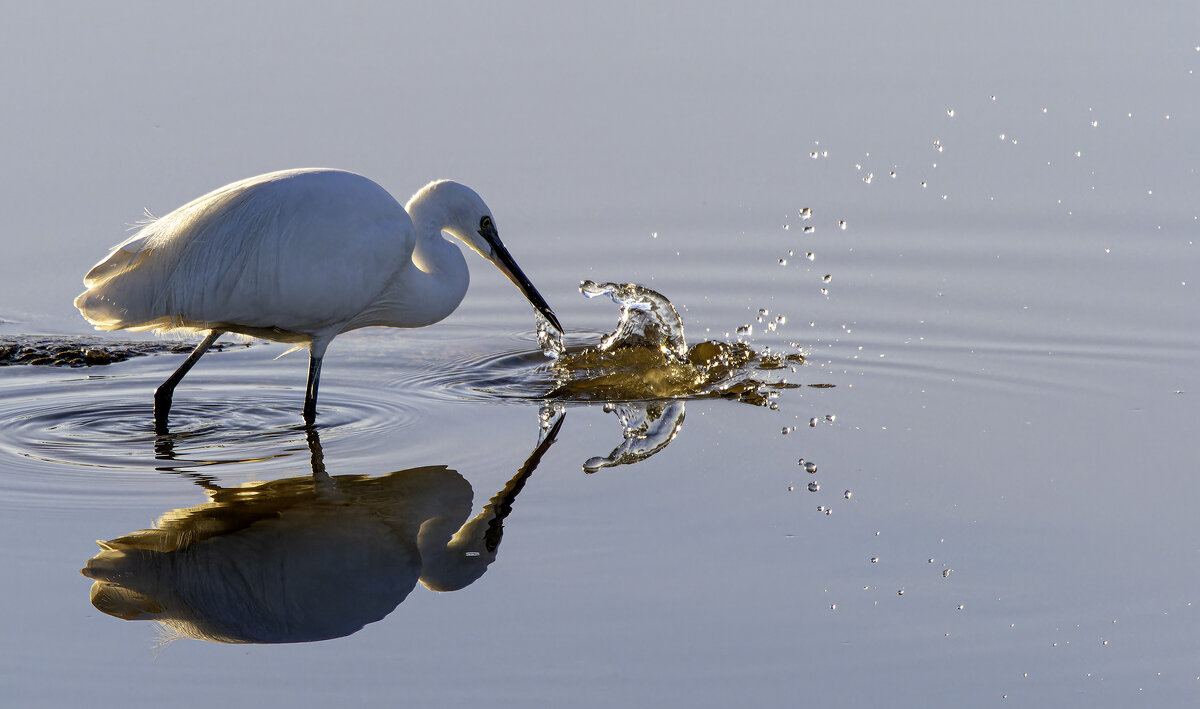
column 296, row 256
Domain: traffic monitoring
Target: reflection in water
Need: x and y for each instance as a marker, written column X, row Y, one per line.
column 305, row 558
column 647, row 428
column 647, row 357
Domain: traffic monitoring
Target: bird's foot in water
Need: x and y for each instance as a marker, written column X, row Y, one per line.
column 162, row 407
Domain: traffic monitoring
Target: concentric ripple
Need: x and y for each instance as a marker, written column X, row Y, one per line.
column 63, row 430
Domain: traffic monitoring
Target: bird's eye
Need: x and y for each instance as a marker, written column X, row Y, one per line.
column 485, row 224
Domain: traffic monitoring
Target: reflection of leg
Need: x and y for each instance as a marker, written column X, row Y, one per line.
column 315, row 454
column 165, row 392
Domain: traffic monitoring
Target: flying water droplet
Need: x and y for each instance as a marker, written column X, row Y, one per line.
column 814, row 486
column 806, row 213
column 842, row 225
column 847, row 494
column 810, row 468
column 808, row 229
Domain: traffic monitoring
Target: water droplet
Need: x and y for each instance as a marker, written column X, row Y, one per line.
column 791, row 488
column 946, row 573
column 892, row 174
column 782, row 262
column 810, row 256
column 813, row 155
column 1001, row 136
column 820, row 508
column 842, row 225
column 800, row 462
column 993, row 98
column 831, row 417
column 746, row 330
column 781, row 319
column 900, row 592
column 847, row 494
column 654, row 235
column 824, row 291
column 812, row 422
column 828, row 512
column 833, row 606
column 923, row 185
column 810, row 468
column 960, row 606
column 472, row 553
column 950, row 112
column 1078, row 153
column 814, row 486
column 809, row 229
column 806, row 213
column 874, row 560
column 827, row 278
column 1095, row 123
column 937, row 145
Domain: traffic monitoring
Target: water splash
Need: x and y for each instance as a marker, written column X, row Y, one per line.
column 648, row 319
column 549, row 338
column 646, row 357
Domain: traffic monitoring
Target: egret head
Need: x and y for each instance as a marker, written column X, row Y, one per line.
column 462, row 213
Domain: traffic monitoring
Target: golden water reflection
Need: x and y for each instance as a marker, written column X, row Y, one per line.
column 306, row 558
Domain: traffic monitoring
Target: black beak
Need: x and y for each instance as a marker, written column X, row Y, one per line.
column 504, row 261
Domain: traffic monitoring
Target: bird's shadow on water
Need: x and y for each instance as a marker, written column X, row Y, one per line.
column 304, row 558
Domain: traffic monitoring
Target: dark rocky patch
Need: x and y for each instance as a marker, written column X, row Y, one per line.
column 85, row 352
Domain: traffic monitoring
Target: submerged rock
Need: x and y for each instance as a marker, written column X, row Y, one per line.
column 42, row 351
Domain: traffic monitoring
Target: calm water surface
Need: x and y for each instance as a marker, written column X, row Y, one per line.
column 1006, row 417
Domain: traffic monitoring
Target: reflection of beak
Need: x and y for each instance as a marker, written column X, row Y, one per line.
column 504, row 261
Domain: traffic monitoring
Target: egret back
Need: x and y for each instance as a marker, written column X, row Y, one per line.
column 299, row 251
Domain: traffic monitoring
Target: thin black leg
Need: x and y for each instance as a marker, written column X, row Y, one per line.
column 165, row 392
column 310, row 394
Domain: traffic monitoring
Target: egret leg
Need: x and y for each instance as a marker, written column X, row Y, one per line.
column 310, row 394
column 165, row 392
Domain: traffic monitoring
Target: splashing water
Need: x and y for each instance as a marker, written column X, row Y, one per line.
column 647, row 318
column 549, row 338
column 646, row 357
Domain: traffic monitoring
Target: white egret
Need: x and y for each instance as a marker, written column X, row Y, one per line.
column 297, row 256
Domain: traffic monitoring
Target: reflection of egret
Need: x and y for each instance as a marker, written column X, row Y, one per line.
column 306, row 558
column 296, row 256
column 647, row 427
